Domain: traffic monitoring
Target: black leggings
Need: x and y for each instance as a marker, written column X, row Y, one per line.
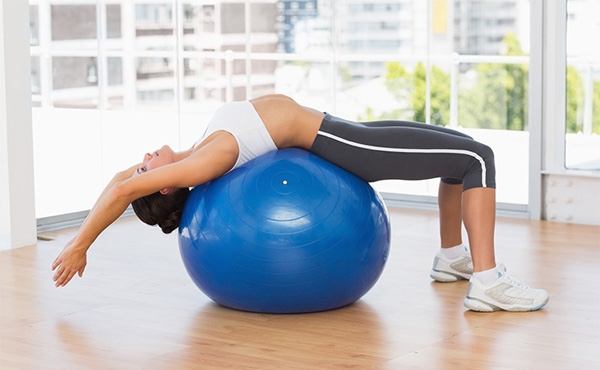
column 386, row 150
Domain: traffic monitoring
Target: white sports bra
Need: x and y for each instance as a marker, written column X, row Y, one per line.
column 242, row 121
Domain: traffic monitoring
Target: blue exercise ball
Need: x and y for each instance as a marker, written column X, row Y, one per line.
column 287, row 232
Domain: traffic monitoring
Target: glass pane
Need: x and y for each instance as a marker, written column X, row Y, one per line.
column 114, row 91
column 154, row 26
column 67, row 146
column 192, row 26
column 115, row 71
column 201, row 82
column 370, row 91
column 75, row 82
column 155, row 81
column 493, row 96
column 128, row 134
column 74, row 25
column 441, row 78
column 34, row 25
column 583, row 87
column 302, row 26
column 205, row 79
column 113, row 21
column 208, row 18
column 309, row 83
column 204, row 89
column 35, row 76
column 490, row 27
column 387, row 27
column 200, row 31
column 36, row 89
column 233, row 18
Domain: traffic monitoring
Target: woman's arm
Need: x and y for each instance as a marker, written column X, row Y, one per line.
column 72, row 259
column 206, row 164
column 71, row 252
column 119, row 177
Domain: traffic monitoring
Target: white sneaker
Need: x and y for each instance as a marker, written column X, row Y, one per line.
column 505, row 294
column 446, row 270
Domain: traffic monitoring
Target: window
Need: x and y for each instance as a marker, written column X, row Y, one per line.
column 582, row 129
column 114, row 79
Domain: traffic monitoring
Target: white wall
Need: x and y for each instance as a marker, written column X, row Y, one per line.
column 572, row 198
column 17, row 206
column 568, row 195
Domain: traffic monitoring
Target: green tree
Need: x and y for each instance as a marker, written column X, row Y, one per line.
column 484, row 105
column 575, row 101
column 499, row 98
column 397, row 82
column 440, row 95
column 412, row 88
column 517, row 86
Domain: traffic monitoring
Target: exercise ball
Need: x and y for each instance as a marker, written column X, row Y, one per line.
column 287, row 232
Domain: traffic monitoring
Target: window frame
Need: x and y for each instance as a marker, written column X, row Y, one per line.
column 554, row 93
column 554, row 109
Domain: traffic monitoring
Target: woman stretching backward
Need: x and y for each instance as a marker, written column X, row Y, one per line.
column 240, row 131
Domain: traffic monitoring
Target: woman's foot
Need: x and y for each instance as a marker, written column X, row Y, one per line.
column 504, row 294
column 447, row 270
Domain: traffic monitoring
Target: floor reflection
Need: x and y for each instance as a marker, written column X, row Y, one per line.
column 218, row 335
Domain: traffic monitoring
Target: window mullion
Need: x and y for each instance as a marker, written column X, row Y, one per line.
column 554, row 85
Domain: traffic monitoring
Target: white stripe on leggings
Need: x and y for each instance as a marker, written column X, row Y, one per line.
column 403, row 150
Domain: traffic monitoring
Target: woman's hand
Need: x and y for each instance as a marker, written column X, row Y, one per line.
column 70, row 261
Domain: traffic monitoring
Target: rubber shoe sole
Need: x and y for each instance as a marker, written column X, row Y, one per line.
column 445, row 277
column 480, row 306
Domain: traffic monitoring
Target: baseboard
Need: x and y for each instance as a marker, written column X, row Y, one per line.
column 66, row 221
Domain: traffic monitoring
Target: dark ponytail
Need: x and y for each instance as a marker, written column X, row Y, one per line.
column 162, row 210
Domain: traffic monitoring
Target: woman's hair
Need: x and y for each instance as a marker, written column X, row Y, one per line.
column 162, row 210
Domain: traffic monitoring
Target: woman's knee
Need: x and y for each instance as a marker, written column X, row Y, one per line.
column 486, row 153
column 482, row 169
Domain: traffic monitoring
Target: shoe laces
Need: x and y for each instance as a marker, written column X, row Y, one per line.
column 509, row 279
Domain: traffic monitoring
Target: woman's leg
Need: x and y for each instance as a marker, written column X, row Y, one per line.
column 411, row 152
column 479, row 212
column 450, row 198
column 450, row 205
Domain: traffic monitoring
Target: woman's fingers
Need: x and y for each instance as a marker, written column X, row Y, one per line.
column 63, row 279
column 58, row 273
column 66, row 278
column 56, row 263
column 63, row 276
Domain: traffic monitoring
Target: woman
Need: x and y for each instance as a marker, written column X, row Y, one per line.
column 241, row 131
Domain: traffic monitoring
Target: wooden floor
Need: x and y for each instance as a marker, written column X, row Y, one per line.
column 136, row 308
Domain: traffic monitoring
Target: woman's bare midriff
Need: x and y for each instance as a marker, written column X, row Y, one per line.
column 289, row 123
